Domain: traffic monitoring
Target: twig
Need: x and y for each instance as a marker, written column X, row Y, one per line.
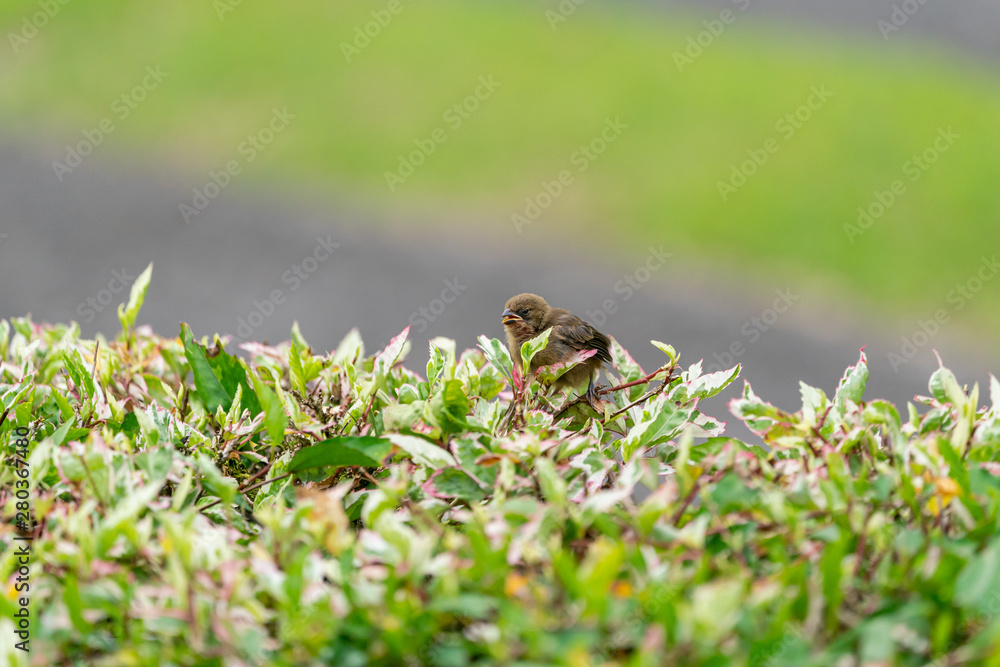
column 860, row 553
column 694, row 490
column 267, row 481
column 687, row 501
column 90, row 478
column 810, row 445
column 644, row 380
column 645, row 397
column 258, row 474
column 248, row 490
column 826, row 413
column 358, row 422
column 576, row 401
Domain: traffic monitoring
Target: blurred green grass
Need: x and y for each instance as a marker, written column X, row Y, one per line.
column 657, row 184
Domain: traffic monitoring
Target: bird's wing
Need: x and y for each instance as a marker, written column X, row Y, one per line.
column 581, row 336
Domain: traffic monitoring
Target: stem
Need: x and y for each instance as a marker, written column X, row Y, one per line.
column 248, row 490
column 687, row 501
column 860, row 553
column 645, row 397
column 644, row 380
column 694, row 491
column 90, row 478
column 258, row 474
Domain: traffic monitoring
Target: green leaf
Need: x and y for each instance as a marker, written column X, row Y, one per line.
column 469, row 605
column 366, row 451
column 814, row 402
column 298, row 340
column 552, row 484
column 65, row 409
column 731, row 494
column 74, row 604
column 851, row 387
column 209, row 389
column 660, row 419
column 956, row 467
column 303, row 366
column 220, row 485
column 350, row 349
column 498, row 355
column 136, row 297
column 400, row 416
column 454, row 483
column 877, row 642
column 885, row 413
column 450, row 406
column 423, row 452
column 127, row 510
column 14, row 394
column 388, row 357
column 232, row 374
column 627, row 367
column 130, row 425
column 155, row 462
column 552, row 372
column 159, row 390
column 832, row 569
column 154, row 424
column 715, row 607
column 666, row 349
column 296, row 369
column 945, row 388
column 532, row 347
column 61, row 434
column 77, row 370
column 976, row 580
column 441, row 361
column 275, row 419
column 22, row 325
column 705, row 386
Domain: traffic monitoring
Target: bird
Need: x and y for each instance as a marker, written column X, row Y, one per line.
column 528, row 315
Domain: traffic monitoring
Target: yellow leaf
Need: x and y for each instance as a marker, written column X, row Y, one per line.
column 934, row 506
column 622, row 589
column 514, row 583
column 947, row 487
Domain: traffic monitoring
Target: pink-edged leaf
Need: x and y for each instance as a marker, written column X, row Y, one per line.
column 704, row 386
column 388, row 357
column 518, row 379
column 552, row 372
column 498, row 355
column 451, row 483
column 624, row 363
column 756, row 413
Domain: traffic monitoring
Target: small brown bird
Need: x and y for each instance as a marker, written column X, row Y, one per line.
column 527, row 315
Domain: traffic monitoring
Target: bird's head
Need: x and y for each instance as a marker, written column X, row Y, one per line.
column 525, row 314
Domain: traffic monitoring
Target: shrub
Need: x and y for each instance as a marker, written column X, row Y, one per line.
column 191, row 507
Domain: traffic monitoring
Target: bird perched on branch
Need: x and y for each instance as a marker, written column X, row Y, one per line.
column 528, row 315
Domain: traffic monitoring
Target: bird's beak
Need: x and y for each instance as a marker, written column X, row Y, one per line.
column 510, row 316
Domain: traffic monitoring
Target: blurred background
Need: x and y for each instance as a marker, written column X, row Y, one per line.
column 771, row 182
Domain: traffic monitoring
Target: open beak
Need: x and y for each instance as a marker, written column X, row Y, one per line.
column 510, row 316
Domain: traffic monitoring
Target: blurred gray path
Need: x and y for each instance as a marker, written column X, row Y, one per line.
column 266, row 262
